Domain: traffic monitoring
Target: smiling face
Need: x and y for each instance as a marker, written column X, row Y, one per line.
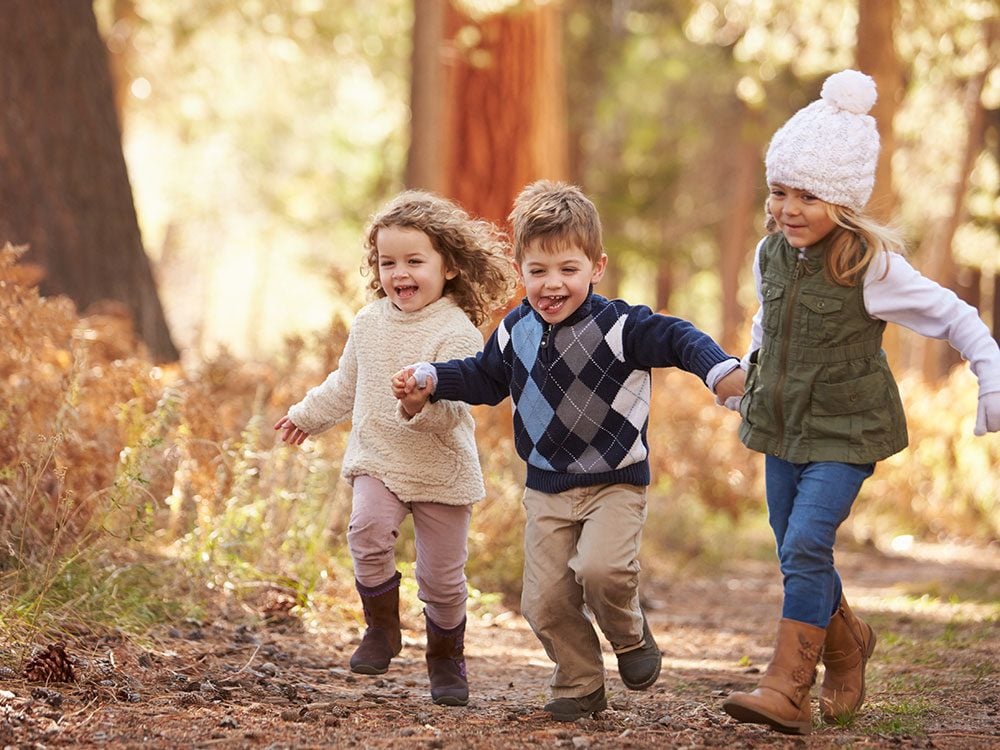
column 557, row 281
column 411, row 271
column 801, row 216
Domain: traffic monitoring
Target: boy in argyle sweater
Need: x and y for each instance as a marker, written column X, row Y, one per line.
column 577, row 367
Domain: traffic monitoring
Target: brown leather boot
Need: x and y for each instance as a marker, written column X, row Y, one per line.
column 446, row 664
column 382, row 639
column 781, row 699
column 849, row 643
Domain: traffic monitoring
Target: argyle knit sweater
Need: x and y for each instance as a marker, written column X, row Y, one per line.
column 580, row 388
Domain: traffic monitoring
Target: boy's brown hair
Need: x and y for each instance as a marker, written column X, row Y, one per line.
column 474, row 248
column 551, row 215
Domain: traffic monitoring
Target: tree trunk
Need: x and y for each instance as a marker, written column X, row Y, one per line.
column 735, row 240
column 427, row 97
column 63, row 182
column 876, row 56
column 505, row 120
column 939, row 358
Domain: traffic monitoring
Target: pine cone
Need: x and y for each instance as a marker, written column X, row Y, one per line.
column 50, row 665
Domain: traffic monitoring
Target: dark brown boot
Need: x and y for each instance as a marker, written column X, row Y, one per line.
column 446, row 664
column 382, row 639
column 849, row 643
column 781, row 699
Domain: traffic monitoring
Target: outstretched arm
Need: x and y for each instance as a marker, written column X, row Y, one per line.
column 896, row 292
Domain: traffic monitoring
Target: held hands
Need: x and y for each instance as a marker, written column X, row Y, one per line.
column 729, row 389
column 988, row 414
column 291, row 434
column 413, row 386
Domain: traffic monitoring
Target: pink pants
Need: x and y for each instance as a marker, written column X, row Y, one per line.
column 440, row 532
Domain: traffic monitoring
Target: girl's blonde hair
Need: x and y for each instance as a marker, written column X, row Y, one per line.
column 854, row 243
column 473, row 248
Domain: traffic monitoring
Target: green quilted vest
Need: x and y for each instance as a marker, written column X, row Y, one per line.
column 819, row 387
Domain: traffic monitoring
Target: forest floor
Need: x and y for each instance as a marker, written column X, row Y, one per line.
column 237, row 681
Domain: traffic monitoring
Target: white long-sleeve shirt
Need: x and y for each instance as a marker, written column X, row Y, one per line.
column 894, row 291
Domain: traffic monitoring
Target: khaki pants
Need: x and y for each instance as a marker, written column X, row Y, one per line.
column 581, row 549
column 440, row 534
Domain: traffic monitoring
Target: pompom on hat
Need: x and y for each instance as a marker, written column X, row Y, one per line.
column 830, row 148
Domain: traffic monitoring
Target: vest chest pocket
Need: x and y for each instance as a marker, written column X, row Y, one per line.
column 821, row 315
column 772, row 294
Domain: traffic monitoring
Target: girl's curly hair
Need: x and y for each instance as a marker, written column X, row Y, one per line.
column 476, row 249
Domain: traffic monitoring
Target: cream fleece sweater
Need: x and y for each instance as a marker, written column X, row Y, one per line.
column 429, row 458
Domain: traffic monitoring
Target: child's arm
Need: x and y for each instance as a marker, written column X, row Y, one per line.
column 482, row 379
column 412, row 390
column 324, row 406
column 896, row 292
column 729, row 388
column 654, row 340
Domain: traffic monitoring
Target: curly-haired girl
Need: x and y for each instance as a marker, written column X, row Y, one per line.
column 436, row 274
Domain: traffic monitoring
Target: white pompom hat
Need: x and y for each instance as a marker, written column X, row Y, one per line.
column 830, row 147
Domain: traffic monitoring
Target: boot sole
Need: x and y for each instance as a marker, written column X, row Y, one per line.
column 752, row 716
column 645, row 683
column 576, row 715
column 368, row 669
column 451, row 700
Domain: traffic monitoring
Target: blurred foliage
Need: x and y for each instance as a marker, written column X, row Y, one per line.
column 261, row 133
column 130, row 493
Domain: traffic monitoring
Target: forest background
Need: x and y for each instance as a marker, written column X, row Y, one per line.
column 139, row 477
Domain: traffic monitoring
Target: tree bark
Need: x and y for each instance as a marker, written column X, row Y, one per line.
column 735, row 240
column 939, row 358
column 64, row 186
column 423, row 163
column 876, row 55
column 505, row 92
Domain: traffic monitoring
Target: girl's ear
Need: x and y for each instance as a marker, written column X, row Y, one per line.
column 450, row 274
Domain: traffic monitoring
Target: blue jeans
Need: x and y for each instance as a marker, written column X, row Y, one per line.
column 806, row 503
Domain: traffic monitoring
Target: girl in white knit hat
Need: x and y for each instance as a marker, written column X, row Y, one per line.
column 820, row 400
column 436, row 274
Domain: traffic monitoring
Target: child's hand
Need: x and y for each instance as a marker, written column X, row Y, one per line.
column 413, row 386
column 988, row 415
column 291, row 434
column 729, row 389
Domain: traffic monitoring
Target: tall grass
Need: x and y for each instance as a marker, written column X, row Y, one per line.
column 131, row 493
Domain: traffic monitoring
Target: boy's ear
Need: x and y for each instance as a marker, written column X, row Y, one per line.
column 599, row 268
column 517, row 269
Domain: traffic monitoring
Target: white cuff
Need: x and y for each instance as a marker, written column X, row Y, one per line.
column 720, row 371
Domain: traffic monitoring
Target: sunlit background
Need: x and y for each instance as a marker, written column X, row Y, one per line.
column 259, row 136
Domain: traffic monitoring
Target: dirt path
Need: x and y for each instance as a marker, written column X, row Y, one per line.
column 933, row 682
